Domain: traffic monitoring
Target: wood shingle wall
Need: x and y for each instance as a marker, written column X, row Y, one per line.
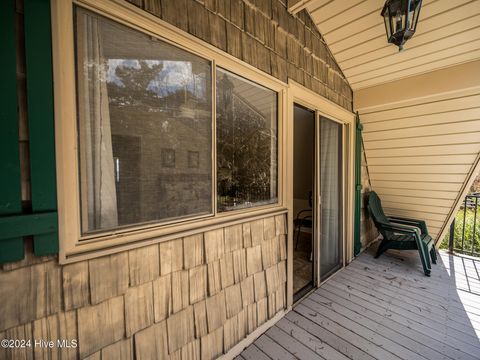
column 190, row 298
column 186, row 298
column 265, row 35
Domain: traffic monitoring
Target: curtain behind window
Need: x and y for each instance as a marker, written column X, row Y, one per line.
column 98, row 176
column 331, row 194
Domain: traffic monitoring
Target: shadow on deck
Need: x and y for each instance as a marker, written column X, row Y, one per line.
column 383, row 309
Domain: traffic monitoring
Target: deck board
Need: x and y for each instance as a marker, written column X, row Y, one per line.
column 327, row 336
column 273, row 349
column 292, row 345
column 254, row 353
column 411, row 310
column 321, row 348
column 402, row 334
column 384, row 308
column 375, row 331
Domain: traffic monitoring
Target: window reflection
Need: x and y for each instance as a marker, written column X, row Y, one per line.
column 143, row 105
column 246, row 143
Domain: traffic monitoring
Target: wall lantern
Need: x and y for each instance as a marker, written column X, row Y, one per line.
column 401, row 17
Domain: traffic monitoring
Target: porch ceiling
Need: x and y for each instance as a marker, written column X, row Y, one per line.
column 448, row 33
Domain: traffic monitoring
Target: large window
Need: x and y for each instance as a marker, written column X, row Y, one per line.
column 246, row 143
column 145, row 120
column 145, row 127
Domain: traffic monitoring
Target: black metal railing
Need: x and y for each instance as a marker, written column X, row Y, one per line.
column 465, row 228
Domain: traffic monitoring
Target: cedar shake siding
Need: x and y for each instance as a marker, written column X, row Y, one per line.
column 196, row 296
column 263, row 34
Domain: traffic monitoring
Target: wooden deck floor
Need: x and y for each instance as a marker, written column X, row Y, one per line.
column 383, row 309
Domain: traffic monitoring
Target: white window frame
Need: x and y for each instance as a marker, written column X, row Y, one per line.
column 75, row 246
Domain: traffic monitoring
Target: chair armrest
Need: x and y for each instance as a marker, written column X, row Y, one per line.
column 412, row 222
column 304, row 211
column 398, row 228
column 303, row 218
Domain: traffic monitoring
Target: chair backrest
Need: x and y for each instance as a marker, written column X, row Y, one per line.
column 375, row 209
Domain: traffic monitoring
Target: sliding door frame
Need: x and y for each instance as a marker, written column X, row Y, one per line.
column 318, row 174
column 298, row 94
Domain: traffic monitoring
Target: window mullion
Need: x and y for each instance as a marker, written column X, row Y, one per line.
column 214, row 137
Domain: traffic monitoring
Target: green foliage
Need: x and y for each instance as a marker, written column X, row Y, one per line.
column 137, row 79
column 472, row 235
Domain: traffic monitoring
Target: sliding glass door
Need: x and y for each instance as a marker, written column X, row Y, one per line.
column 331, row 195
column 304, row 178
column 318, row 198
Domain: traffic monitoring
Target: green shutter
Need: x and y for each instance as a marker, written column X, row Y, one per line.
column 358, row 185
column 38, row 52
column 11, row 248
column 42, row 222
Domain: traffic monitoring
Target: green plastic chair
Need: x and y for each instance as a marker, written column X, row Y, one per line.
column 402, row 234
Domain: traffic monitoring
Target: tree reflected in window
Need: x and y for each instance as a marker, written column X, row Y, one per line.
column 246, row 143
column 142, row 105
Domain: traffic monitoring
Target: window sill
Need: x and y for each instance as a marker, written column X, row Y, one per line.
column 115, row 242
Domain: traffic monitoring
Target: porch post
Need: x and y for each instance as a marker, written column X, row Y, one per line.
column 452, row 236
column 358, row 185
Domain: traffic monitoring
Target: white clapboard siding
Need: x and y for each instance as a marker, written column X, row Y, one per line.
column 448, row 34
column 419, row 194
column 412, row 200
column 464, row 159
column 328, row 9
column 419, row 155
column 448, row 117
column 434, row 107
column 419, row 67
column 367, row 20
column 427, row 54
column 415, row 207
column 420, row 131
column 471, row 148
column 416, row 185
column 419, row 169
column 350, row 14
column 362, row 22
column 466, row 41
column 413, row 213
column 446, row 139
column 431, row 178
column 445, row 27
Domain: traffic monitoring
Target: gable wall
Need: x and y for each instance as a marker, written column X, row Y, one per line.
column 422, row 142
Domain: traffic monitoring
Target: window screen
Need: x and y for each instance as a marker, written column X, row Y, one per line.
column 246, row 143
column 145, row 127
